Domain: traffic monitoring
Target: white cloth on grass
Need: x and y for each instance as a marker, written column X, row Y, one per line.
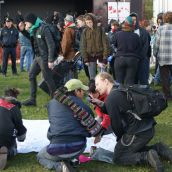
column 36, row 138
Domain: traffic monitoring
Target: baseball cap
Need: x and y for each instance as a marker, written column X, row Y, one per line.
column 73, row 84
column 8, row 19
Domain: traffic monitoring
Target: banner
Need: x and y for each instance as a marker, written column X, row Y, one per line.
column 118, row 10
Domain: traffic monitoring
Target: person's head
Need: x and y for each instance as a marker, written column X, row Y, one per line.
column 76, row 87
column 104, row 83
column 167, row 17
column 92, row 89
column 128, row 24
column 30, row 20
column 80, row 21
column 68, row 19
column 114, row 25
column 21, row 25
column 8, row 22
column 11, row 92
column 135, row 19
column 160, row 19
column 90, row 20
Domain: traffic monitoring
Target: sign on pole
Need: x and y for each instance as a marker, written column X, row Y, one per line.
column 118, row 10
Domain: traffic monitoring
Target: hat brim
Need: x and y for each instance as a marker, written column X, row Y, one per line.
column 84, row 87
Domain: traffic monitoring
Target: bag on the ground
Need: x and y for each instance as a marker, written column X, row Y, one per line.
column 145, row 102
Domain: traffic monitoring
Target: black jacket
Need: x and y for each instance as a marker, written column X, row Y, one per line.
column 127, row 44
column 11, row 125
column 44, row 45
column 116, row 105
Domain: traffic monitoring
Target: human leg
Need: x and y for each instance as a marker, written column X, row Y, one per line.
column 3, row 157
column 130, row 151
column 13, row 60
column 5, row 60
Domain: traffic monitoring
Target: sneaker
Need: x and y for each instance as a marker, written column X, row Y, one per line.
column 154, row 161
column 67, row 167
column 3, row 157
column 29, row 102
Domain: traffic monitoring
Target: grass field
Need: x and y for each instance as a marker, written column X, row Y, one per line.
column 28, row 163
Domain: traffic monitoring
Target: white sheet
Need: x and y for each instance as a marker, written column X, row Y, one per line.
column 36, row 138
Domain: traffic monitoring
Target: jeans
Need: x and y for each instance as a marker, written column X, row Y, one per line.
column 51, row 162
column 125, row 69
column 92, row 68
column 26, row 56
column 6, row 53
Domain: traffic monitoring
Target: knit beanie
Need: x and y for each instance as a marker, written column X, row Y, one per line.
column 128, row 21
column 69, row 18
column 31, row 18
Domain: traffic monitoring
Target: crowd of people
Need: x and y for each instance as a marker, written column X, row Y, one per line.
column 111, row 57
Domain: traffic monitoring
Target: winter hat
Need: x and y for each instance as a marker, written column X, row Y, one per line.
column 133, row 14
column 69, row 18
column 31, row 18
column 128, row 21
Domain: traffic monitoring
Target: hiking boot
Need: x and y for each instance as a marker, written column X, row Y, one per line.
column 164, row 151
column 153, row 160
column 29, row 102
column 3, row 157
column 67, row 167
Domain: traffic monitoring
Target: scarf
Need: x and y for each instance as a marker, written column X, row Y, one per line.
column 86, row 119
column 36, row 25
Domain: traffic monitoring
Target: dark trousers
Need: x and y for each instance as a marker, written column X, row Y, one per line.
column 125, row 69
column 38, row 66
column 143, row 71
column 165, row 73
column 132, row 149
column 6, row 53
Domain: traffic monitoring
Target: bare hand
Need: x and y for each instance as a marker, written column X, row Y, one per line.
column 97, row 139
column 51, row 65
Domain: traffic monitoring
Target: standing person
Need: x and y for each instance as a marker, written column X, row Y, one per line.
column 67, row 44
column 44, row 50
column 71, row 121
column 80, row 28
column 144, row 64
column 8, row 41
column 11, row 125
column 163, row 51
column 94, row 45
column 111, row 35
column 26, row 50
column 133, row 135
column 127, row 56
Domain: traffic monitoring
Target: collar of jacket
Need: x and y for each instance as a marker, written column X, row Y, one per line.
column 70, row 24
column 36, row 25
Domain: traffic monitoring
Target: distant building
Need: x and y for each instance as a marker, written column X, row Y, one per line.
column 46, row 7
column 161, row 6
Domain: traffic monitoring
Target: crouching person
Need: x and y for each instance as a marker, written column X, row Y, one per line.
column 11, row 125
column 71, row 121
column 133, row 135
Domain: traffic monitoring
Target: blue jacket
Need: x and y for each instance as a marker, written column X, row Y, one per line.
column 64, row 128
column 24, row 41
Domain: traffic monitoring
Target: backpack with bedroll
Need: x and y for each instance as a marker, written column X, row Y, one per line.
column 145, row 102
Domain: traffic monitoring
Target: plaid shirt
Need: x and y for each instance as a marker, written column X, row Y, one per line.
column 162, row 48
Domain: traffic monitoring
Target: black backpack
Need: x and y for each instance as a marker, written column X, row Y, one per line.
column 145, row 102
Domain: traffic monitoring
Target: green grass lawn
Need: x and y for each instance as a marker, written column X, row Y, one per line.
column 28, row 163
